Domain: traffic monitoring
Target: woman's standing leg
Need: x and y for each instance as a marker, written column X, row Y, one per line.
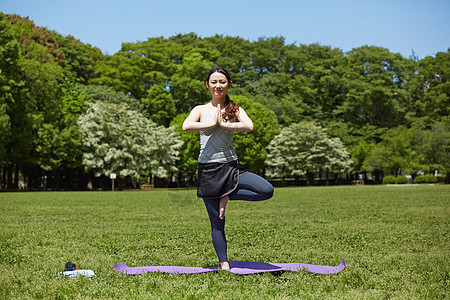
column 217, row 229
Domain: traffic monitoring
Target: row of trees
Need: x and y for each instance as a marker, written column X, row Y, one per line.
column 71, row 113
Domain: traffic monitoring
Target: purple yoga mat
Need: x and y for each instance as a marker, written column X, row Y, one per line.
column 236, row 267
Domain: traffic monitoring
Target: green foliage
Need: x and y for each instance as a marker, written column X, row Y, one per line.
column 188, row 82
column 80, row 58
column 9, row 81
column 427, row 178
column 430, row 89
column 122, row 141
column 389, row 180
column 430, row 178
column 438, row 146
column 308, row 87
column 4, row 131
column 137, row 67
column 59, row 142
column 419, row 179
column 359, row 154
column 233, row 54
column 410, row 149
column 373, row 91
column 270, row 90
column 106, row 94
column 36, row 109
column 266, row 54
column 37, row 43
column 402, row 179
column 159, row 105
column 303, row 148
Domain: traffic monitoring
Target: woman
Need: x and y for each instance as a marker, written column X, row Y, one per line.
column 220, row 177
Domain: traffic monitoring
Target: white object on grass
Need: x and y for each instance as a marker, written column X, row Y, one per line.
column 76, row 273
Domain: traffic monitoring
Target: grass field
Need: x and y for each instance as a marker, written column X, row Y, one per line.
column 395, row 241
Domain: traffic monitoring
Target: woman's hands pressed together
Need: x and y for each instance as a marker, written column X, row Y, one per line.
column 193, row 123
column 218, row 115
column 243, row 123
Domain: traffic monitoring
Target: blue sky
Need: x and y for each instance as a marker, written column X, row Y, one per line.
column 399, row 25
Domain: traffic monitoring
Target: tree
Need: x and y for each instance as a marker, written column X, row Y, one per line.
column 9, row 81
column 106, row 94
column 37, row 43
column 318, row 72
column 138, row 66
column 80, row 59
column 37, row 103
column 439, row 151
column 58, row 143
column 429, row 87
column 4, row 132
column 303, row 149
column 270, row 91
column 267, row 54
column 359, row 154
column 308, row 85
column 373, row 88
column 159, row 105
column 234, row 54
column 120, row 140
column 188, row 83
column 402, row 149
column 359, row 140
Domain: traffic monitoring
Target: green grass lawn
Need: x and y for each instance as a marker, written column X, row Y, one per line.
column 395, row 241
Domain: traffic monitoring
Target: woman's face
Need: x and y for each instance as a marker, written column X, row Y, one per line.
column 218, row 84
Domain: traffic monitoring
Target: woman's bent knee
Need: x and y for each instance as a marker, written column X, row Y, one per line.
column 266, row 189
column 268, row 193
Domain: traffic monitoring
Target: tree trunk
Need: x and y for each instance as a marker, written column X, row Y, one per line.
column 310, row 178
column 3, row 183
column 16, row 177
column 9, row 179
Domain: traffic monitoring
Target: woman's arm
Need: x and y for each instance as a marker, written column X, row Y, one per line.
column 192, row 122
column 244, row 123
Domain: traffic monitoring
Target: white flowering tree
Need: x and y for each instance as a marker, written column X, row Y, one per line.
column 123, row 141
column 303, row 149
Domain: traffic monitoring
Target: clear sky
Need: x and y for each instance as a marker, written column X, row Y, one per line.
column 399, row 25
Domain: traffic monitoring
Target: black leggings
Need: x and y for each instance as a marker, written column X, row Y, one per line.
column 251, row 187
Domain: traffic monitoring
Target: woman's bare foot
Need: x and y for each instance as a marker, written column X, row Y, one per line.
column 225, row 266
column 222, row 204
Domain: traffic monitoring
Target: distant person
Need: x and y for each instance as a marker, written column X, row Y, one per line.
column 220, row 176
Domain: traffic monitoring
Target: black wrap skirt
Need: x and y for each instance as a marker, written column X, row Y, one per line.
column 216, row 180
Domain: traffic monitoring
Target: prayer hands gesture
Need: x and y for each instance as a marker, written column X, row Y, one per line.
column 221, row 122
column 193, row 121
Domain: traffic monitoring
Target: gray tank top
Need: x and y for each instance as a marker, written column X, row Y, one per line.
column 216, row 144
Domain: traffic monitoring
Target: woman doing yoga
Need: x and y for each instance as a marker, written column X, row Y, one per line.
column 220, row 177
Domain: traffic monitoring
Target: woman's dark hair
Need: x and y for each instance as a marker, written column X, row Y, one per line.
column 231, row 108
column 221, row 71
